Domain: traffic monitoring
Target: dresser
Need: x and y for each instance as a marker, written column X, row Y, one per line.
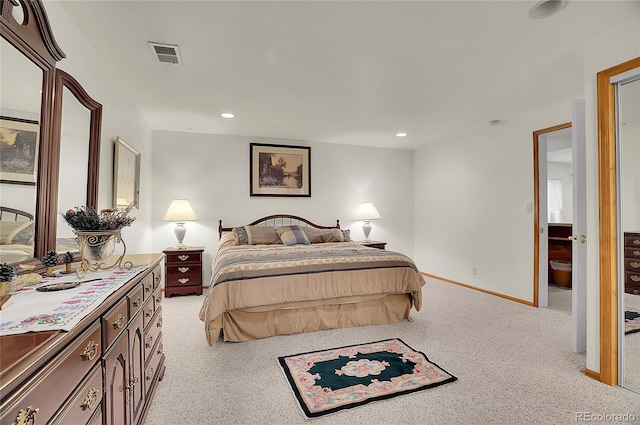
column 183, row 274
column 632, row 262
column 103, row 371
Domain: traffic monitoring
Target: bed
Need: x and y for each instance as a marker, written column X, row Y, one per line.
column 283, row 274
column 16, row 235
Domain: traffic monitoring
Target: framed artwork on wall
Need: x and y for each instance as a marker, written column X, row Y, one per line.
column 19, row 150
column 126, row 175
column 279, row 170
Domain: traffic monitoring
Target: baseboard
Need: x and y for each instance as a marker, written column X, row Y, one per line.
column 497, row 294
column 591, row 374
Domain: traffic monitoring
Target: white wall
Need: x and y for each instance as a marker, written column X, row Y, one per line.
column 561, row 171
column 212, row 171
column 631, row 176
column 119, row 118
column 471, row 199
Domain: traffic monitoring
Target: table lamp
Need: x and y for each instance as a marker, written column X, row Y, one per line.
column 366, row 213
column 180, row 211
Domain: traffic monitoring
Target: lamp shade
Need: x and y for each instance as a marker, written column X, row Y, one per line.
column 367, row 211
column 180, row 210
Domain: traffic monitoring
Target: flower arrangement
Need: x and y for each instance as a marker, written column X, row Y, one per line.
column 84, row 219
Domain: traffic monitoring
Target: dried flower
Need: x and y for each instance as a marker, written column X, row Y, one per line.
column 87, row 219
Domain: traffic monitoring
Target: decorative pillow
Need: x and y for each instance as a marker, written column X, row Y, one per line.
column 261, row 235
column 346, row 234
column 241, row 236
column 292, row 235
column 325, row 235
column 16, row 232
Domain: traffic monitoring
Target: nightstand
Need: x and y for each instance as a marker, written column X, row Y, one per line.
column 373, row 244
column 183, row 271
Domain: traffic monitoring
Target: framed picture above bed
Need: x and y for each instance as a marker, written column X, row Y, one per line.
column 18, row 150
column 280, row 170
column 126, row 175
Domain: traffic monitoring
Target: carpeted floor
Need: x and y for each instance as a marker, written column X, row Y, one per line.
column 513, row 363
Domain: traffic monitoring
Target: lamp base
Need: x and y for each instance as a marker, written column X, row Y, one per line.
column 366, row 229
column 180, row 231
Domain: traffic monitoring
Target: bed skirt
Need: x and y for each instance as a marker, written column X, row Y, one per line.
column 245, row 325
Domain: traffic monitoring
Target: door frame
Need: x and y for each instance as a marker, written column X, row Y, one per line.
column 536, row 206
column 608, row 221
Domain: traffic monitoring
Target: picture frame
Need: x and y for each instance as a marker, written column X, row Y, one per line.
column 126, row 175
column 279, row 170
column 19, row 150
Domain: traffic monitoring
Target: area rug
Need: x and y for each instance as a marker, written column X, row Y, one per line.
column 631, row 321
column 328, row 381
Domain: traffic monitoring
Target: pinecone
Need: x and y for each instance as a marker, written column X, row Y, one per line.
column 68, row 257
column 51, row 259
column 7, row 273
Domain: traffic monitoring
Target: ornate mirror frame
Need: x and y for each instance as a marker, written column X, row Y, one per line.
column 34, row 38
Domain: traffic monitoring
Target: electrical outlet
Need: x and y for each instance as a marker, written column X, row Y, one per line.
column 474, row 271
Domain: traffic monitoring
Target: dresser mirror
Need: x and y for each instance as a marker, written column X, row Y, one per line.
column 68, row 123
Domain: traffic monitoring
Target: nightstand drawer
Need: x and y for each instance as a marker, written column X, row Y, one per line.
column 184, row 257
column 184, row 270
column 187, row 280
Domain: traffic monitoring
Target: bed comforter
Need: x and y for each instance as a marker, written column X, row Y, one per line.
column 272, row 277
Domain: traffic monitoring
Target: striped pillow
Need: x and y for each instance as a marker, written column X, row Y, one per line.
column 292, row 235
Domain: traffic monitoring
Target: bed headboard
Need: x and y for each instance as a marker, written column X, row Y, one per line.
column 7, row 213
column 279, row 220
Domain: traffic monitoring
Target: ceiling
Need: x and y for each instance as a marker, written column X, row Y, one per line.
column 352, row 72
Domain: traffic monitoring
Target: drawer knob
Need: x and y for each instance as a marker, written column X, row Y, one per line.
column 90, row 351
column 91, row 400
column 159, row 323
column 185, row 257
column 149, row 342
column 635, row 278
column 149, row 374
column 183, row 269
column 635, row 264
column 148, row 313
column 183, row 280
column 160, row 348
column 636, row 253
column 148, row 288
column 136, row 303
column 635, row 242
column 119, row 322
column 26, row 417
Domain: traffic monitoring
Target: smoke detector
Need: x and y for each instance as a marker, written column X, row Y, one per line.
column 166, row 53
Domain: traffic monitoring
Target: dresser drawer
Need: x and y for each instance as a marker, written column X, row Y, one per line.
column 632, row 278
column 157, row 297
column 152, row 334
column 63, row 373
column 184, row 257
column 147, row 286
column 134, row 298
column 632, row 253
column 153, row 364
column 157, row 276
column 632, row 241
column 84, row 402
column 632, row 265
column 114, row 322
column 148, row 309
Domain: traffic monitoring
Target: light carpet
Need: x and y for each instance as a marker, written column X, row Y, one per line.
column 513, row 363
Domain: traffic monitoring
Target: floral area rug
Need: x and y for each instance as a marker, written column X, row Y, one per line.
column 327, row 381
column 631, row 321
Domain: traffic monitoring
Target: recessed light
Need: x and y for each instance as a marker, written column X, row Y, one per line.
column 401, row 134
column 227, row 115
column 546, row 8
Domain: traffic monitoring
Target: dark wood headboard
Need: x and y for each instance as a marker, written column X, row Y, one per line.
column 7, row 211
column 279, row 220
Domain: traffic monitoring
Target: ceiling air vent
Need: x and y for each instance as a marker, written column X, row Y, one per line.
column 166, row 53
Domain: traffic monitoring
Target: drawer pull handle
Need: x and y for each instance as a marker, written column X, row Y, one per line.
column 635, row 264
column 635, row 278
column 183, row 269
column 157, row 278
column 148, row 313
column 148, row 287
column 159, row 298
column 91, row 400
column 160, row 348
column 26, row 417
column 136, row 303
column 149, row 374
column 149, row 342
column 185, row 257
column 635, row 242
column 159, row 323
column 636, row 253
column 183, row 280
column 119, row 322
column 90, row 351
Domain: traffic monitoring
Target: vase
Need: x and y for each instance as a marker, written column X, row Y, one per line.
column 98, row 245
